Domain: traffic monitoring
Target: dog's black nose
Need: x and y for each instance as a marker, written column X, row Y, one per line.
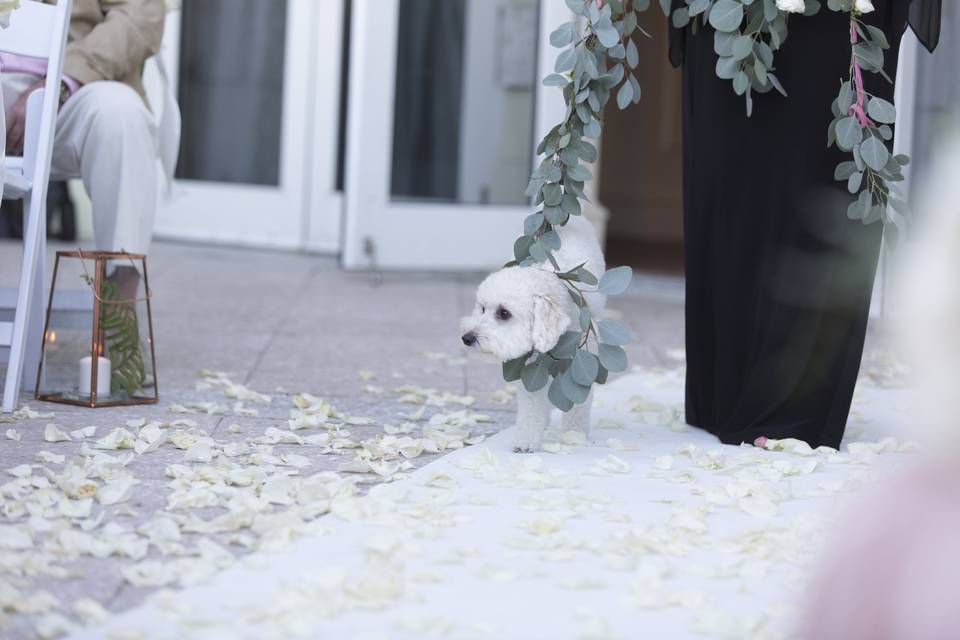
column 469, row 338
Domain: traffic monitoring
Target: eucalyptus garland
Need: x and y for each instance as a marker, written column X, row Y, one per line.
column 597, row 59
column 862, row 126
column 748, row 32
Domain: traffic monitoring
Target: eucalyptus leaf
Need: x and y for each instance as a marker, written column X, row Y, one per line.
column 584, row 367
column 849, row 133
column 726, row 15
column 573, row 390
column 557, row 397
column 612, row 357
column 535, row 375
column 612, row 333
column 512, row 369
column 874, row 153
column 615, row 281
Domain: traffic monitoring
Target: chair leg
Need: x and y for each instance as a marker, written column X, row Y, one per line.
column 31, row 275
column 35, row 321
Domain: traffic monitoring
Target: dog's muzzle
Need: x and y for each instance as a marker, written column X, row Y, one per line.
column 469, row 338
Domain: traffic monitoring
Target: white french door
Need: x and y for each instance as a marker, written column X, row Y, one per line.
column 446, row 109
column 258, row 87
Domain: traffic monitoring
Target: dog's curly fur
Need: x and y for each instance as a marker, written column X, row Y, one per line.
column 523, row 309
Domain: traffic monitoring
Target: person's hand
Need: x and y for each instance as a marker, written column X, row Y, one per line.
column 16, row 119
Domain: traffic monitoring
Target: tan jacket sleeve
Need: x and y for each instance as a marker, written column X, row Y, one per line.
column 130, row 33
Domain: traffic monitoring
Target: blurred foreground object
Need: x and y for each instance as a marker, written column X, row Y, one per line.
column 893, row 571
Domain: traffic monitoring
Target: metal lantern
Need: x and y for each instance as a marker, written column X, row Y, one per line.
column 105, row 358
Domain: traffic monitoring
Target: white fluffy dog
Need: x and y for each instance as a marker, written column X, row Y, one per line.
column 522, row 309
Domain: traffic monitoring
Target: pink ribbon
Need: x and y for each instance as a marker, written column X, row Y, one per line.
column 857, row 109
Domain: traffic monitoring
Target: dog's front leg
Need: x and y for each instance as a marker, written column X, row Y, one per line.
column 533, row 418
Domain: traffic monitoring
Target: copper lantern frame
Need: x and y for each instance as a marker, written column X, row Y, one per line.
column 100, row 259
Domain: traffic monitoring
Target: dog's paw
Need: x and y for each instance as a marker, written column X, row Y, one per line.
column 526, row 446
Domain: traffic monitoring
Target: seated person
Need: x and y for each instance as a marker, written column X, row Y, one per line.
column 106, row 134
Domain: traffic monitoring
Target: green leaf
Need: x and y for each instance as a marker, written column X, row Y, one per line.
column 566, row 61
column 612, row 332
column 854, row 182
column 563, row 35
column 612, row 357
column 849, row 133
column 538, row 251
column 615, row 281
column 727, row 68
column 579, row 173
column 624, row 95
column 571, row 204
column 585, row 318
column 555, row 215
column 512, row 369
column 584, row 367
column 531, row 223
column 726, row 15
column 845, row 170
column 573, row 390
column 882, row 111
column 536, row 375
column 557, row 397
column 552, row 194
column 681, row 18
column 608, row 36
column 742, row 47
column 633, row 56
column 556, row 80
column 874, row 153
column 586, row 277
column 521, row 247
column 566, row 346
column 740, row 83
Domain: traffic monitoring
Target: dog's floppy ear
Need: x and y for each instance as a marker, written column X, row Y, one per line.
column 549, row 322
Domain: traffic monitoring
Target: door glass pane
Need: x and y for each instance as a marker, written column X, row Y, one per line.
column 464, row 111
column 231, row 90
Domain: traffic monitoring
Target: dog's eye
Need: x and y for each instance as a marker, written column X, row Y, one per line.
column 503, row 314
column 483, row 309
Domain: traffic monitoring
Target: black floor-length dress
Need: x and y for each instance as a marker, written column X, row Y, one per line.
column 779, row 280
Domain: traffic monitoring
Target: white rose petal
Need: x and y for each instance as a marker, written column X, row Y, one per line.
column 90, row 611
column 791, row 6
column 119, row 438
column 85, row 432
column 663, row 463
column 863, row 6
column 119, row 490
column 53, row 433
column 50, row 458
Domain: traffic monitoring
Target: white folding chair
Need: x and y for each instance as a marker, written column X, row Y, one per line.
column 37, row 30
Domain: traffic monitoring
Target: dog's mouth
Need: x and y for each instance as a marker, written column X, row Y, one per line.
column 479, row 347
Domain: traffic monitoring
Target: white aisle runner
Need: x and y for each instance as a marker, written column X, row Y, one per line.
column 650, row 531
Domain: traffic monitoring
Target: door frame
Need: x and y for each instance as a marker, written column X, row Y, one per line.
column 380, row 232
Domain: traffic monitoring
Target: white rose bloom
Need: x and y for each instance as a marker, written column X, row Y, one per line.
column 791, row 6
column 863, row 6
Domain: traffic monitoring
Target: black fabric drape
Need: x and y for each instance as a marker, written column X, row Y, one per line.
column 779, row 280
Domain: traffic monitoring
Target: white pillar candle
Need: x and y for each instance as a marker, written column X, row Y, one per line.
column 103, row 375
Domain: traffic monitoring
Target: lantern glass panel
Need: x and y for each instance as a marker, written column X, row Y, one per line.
column 98, row 340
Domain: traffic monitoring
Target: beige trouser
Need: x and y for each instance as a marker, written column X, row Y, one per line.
column 107, row 137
